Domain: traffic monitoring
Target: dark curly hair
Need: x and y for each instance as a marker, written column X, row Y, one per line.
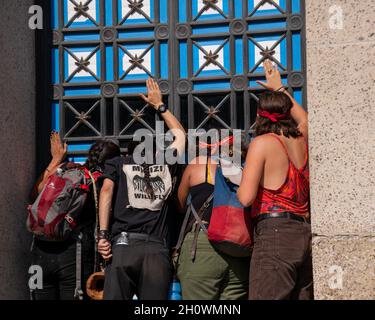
column 276, row 102
column 100, row 152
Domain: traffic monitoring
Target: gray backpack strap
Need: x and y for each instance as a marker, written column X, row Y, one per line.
column 96, row 199
column 198, row 217
column 181, row 237
column 186, row 226
column 183, row 229
column 78, row 292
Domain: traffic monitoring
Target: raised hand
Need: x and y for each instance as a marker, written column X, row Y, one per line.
column 154, row 96
column 58, row 149
column 273, row 77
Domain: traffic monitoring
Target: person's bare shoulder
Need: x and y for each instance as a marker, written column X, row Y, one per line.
column 195, row 165
column 198, row 161
column 263, row 144
column 261, row 141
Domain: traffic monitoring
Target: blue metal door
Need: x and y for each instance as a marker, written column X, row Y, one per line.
column 206, row 55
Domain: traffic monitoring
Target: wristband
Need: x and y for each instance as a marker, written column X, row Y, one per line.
column 103, row 234
column 162, row 109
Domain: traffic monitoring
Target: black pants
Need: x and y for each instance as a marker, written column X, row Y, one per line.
column 281, row 264
column 58, row 263
column 142, row 268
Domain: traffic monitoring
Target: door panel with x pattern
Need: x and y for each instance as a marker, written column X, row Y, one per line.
column 205, row 54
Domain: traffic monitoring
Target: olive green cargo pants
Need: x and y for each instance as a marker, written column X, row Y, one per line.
column 212, row 275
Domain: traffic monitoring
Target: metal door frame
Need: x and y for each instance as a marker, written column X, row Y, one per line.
column 175, row 87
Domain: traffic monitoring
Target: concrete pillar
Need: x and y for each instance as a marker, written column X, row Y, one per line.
column 17, row 144
column 341, row 94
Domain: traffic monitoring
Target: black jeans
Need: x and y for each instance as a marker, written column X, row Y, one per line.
column 58, row 263
column 281, row 264
column 142, row 267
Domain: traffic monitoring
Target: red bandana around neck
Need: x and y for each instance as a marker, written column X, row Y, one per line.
column 228, row 140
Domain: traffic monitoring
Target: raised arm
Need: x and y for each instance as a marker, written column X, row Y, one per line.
column 58, row 153
column 183, row 189
column 155, row 99
column 274, row 83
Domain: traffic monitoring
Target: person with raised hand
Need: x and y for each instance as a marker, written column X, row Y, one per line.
column 275, row 183
column 58, row 256
column 133, row 222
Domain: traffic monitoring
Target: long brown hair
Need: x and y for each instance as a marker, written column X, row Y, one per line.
column 276, row 103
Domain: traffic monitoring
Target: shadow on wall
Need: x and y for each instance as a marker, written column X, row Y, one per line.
column 17, row 145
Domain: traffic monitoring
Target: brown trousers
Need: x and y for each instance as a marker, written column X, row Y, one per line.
column 281, row 264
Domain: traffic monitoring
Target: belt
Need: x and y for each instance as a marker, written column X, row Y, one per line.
column 287, row 215
column 124, row 237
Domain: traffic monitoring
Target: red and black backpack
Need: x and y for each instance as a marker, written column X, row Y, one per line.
column 55, row 213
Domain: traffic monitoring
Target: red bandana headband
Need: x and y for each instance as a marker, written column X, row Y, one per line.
column 220, row 143
column 274, row 117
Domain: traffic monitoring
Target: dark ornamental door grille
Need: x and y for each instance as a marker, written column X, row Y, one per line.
column 206, row 55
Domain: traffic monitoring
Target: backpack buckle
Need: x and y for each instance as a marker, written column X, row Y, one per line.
column 84, row 187
column 70, row 220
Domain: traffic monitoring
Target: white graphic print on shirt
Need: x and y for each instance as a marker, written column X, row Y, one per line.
column 160, row 181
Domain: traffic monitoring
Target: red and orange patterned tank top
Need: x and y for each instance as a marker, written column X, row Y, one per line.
column 292, row 196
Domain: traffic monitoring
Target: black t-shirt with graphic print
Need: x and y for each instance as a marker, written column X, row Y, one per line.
column 134, row 209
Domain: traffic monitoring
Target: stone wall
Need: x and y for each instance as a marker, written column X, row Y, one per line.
column 17, row 144
column 341, row 95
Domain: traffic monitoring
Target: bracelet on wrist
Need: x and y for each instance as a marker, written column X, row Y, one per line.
column 162, row 108
column 282, row 87
column 103, row 234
